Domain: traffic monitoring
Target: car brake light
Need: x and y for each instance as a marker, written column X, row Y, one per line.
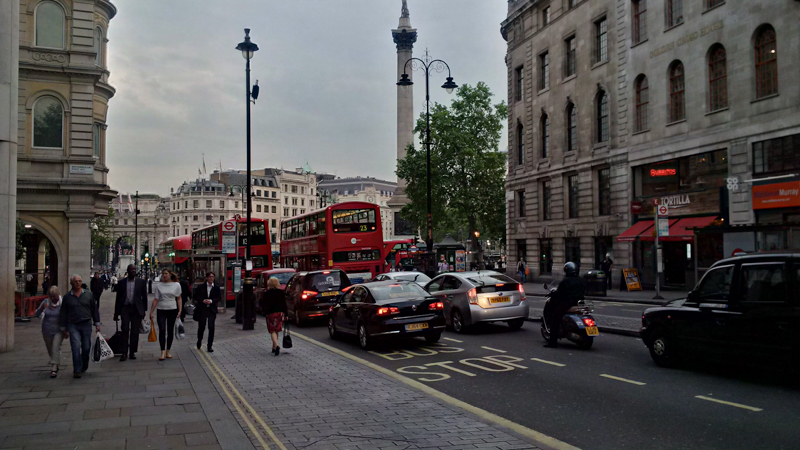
column 325, row 273
column 589, row 322
column 387, row 311
column 308, row 294
column 436, row 306
column 472, row 295
column 521, row 290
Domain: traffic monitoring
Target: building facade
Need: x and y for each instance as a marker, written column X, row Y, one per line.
column 369, row 190
column 153, row 226
column 700, row 116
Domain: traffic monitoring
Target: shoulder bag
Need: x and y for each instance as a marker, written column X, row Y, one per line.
column 287, row 336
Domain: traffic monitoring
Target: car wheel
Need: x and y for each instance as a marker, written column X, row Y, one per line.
column 297, row 320
column 458, row 321
column 332, row 329
column 661, row 349
column 585, row 343
column 433, row 338
column 363, row 337
column 516, row 324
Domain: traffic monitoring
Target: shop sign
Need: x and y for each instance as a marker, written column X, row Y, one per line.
column 699, row 202
column 777, row 195
column 632, row 279
column 636, row 207
column 676, row 200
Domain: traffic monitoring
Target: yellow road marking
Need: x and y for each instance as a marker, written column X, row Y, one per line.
column 454, row 340
column 494, row 349
column 548, row 362
column 738, row 405
column 216, row 370
column 486, row 415
column 638, row 383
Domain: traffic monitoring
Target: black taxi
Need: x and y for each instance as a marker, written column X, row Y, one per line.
column 744, row 310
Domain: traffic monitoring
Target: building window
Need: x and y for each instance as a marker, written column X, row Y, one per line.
column 717, row 79
column 236, row 205
column 602, row 117
column 601, row 40
column 713, row 3
column 285, row 200
column 209, row 218
column 302, row 211
column 258, row 208
column 604, row 191
column 294, row 201
column 544, row 71
column 766, row 63
column 572, row 251
column 48, row 123
column 545, row 131
column 186, row 204
column 258, row 193
column 639, row 21
column 569, row 61
column 519, row 75
column 116, row 221
column 571, row 3
column 545, row 16
column 572, row 128
column 195, row 218
column 642, row 100
column 125, row 221
column 294, row 189
column 545, row 256
column 572, row 193
column 294, row 211
column 520, row 144
column 521, row 203
column 677, row 93
column 222, row 204
column 96, row 140
column 50, row 25
column 273, row 194
column 195, row 204
column 274, row 209
column 286, row 212
column 776, row 155
column 546, row 201
column 208, row 203
column 302, row 202
column 98, row 47
column 311, row 203
column 273, row 223
column 674, row 12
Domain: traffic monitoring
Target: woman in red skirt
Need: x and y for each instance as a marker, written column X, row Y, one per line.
column 275, row 309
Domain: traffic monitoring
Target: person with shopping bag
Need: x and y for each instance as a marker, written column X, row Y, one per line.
column 274, row 303
column 78, row 311
column 49, row 311
column 167, row 301
column 130, row 305
column 206, row 297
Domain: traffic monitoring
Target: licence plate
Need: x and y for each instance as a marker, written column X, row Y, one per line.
column 500, row 300
column 330, row 293
column 416, row 326
column 592, row 331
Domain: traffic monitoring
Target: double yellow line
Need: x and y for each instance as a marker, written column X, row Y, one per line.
column 230, row 390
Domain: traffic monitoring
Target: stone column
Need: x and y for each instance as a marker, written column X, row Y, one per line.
column 79, row 252
column 404, row 38
column 9, row 82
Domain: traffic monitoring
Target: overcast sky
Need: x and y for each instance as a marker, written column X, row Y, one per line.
column 326, row 69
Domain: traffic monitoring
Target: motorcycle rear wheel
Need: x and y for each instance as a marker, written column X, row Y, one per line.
column 585, row 343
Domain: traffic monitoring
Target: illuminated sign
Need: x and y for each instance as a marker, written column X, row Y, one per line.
column 663, row 172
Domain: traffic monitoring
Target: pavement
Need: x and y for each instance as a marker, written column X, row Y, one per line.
column 239, row 397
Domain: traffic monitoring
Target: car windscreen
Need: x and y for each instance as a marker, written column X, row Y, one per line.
column 322, row 281
column 487, row 279
column 417, row 277
column 393, row 292
column 283, row 277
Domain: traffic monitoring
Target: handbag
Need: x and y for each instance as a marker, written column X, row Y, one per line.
column 144, row 328
column 152, row 336
column 287, row 337
column 116, row 341
column 527, row 271
column 101, row 350
column 196, row 313
column 180, row 331
column 190, row 308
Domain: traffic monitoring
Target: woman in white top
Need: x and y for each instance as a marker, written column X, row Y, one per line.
column 168, row 302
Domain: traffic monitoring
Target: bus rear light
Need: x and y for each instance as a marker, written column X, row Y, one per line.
column 388, row 311
column 472, row 295
column 308, row 294
column 436, row 306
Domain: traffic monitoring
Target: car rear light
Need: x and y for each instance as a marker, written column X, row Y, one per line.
column 308, row 294
column 436, row 306
column 589, row 322
column 521, row 291
column 388, row 311
column 472, row 295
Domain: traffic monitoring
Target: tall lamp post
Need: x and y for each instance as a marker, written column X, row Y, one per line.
column 248, row 49
column 427, row 65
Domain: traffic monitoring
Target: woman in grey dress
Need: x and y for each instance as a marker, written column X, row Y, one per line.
column 49, row 311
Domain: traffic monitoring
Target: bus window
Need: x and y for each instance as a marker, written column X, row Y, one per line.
column 350, row 220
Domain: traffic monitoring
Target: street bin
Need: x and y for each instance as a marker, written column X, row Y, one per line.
column 595, row 283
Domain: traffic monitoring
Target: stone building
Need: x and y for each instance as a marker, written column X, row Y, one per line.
column 266, row 194
column 364, row 189
column 153, row 225
column 698, row 98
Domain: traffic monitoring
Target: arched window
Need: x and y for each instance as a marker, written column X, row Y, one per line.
column 98, row 47
column 717, row 79
column 545, row 131
column 677, row 93
column 572, row 128
column 48, row 123
column 96, row 141
column 642, row 99
column 50, row 20
column 520, row 144
column 602, row 117
column 766, row 63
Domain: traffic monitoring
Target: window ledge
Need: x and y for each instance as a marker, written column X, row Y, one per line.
column 639, row 43
column 600, row 146
column 674, row 26
column 598, row 64
column 570, row 153
column 766, row 97
column 570, row 78
column 713, row 7
column 717, row 111
column 543, row 91
column 641, row 132
column 676, row 122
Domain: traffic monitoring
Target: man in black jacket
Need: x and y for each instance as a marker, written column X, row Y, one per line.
column 131, row 305
column 207, row 297
column 96, row 286
column 569, row 291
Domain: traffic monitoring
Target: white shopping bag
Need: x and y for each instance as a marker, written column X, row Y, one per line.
column 105, row 349
column 180, row 332
column 145, row 327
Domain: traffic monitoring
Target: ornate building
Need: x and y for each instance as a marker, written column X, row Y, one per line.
column 153, row 226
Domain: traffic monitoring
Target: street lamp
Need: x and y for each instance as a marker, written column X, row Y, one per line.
column 427, row 65
column 248, row 49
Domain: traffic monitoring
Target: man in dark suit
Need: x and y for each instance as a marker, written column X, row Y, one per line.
column 96, row 286
column 186, row 295
column 207, row 296
column 131, row 305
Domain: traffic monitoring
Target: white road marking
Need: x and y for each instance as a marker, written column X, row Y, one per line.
column 738, row 405
column 494, row 349
column 454, row 340
column 548, row 362
column 638, row 383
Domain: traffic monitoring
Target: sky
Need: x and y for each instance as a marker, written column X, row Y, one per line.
column 326, row 71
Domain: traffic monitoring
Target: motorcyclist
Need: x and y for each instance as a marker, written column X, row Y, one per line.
column 569, row 291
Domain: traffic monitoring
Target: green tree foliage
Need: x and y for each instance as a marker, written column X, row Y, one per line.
column 20, row 250
column 467, row 170
column 101, row 237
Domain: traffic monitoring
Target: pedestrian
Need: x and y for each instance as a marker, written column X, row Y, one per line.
column 114, row 282
column 275, row 309
column 46, row 284
column 96, row 286
column 206, row 296
column 521, row 269
column 49, row 311
column 78, row 311
column 442, row 264
column 168, row 303
column 605, row 266
column 130, row 305
column 186, row 295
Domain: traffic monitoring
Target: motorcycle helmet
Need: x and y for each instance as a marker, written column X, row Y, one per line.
column 570, row 269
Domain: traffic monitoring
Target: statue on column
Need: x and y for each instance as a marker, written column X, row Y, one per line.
column 404, row 10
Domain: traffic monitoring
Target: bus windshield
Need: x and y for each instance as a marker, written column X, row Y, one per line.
column 350, row 220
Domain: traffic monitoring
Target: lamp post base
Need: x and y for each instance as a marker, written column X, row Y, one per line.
column 248, row 305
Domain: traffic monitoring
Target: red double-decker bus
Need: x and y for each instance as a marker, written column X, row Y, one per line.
column 345, row 236
column 391, row 250
column 210, row 238
column 167, row 258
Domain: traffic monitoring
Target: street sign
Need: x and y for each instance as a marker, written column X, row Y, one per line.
column 663, row 227
column 228, row 242
column 655, row 201
column 663, row 210
column 237, row 216
column 413, row 248
column 229, row 225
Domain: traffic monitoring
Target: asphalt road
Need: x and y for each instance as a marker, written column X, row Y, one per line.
column 609, row 397
column 618, row 309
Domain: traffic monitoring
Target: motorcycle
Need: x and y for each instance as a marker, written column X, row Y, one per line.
column 577, row 325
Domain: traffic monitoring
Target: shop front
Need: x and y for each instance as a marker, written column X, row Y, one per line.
column 777, row 208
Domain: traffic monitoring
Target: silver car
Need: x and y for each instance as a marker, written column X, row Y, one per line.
column 473, row 297
column 417, row 277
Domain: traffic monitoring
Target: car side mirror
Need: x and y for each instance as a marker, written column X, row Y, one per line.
column 691, row 296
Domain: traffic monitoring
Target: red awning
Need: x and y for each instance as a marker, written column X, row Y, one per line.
column 635, row 230
column 680, row 231
column 650, row 235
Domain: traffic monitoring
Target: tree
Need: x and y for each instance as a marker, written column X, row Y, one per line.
column 467, row 170
column 101, row 237
column 20, row 250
